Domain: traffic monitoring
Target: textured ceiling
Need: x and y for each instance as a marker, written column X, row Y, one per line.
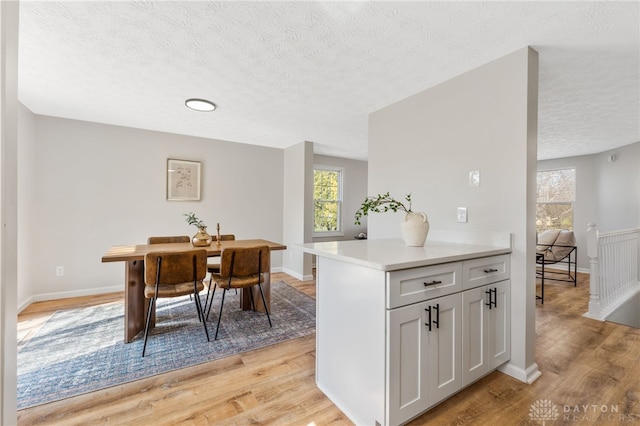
column 286, row 72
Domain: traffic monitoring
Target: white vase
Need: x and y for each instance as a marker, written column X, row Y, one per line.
column 415, row 228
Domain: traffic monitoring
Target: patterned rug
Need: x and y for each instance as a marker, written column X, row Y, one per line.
column 82, row 350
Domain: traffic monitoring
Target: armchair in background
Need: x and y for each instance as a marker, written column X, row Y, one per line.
column 556, row 247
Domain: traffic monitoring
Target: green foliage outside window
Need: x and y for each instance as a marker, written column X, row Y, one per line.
column 555, row 195
column 327, row 200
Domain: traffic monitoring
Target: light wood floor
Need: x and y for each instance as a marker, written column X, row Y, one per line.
column 587, row 365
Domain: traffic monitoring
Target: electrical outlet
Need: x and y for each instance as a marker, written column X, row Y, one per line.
column 59, row 271
column 462, row 214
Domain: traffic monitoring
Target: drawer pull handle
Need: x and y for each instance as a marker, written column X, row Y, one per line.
column 433, row 283
column 488, row 271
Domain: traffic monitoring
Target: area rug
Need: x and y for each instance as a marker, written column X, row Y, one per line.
column 82, row 350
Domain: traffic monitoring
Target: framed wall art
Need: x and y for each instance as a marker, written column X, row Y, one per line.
column 183, row 180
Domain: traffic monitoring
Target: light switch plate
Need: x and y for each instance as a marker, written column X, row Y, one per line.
column 462, row 214
column 474, row 178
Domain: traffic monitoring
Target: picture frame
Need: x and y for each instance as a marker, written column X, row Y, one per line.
column 183, row 180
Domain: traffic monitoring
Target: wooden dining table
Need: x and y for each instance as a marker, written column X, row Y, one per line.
column 135, row 306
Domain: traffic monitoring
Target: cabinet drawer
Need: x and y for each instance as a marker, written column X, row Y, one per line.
column 417, row 284
column 485, row 270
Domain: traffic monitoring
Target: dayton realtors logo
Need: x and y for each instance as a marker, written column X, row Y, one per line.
column 544, row 410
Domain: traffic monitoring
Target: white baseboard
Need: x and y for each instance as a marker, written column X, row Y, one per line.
column 86, row 292
column 24, row 304
column 563, row 268
column 528, row 376
column 67, row 294
column 297, row 275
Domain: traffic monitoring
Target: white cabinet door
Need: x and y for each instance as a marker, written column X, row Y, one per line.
column 444, row 347
column 499, row 323
column 407, row 393
column 485, row 330
column 474, row 329
column 424, row 355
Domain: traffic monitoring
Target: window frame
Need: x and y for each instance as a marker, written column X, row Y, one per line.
column 340, row 201
column 571, row 202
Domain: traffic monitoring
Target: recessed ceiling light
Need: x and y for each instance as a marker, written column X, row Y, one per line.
column 200, row 104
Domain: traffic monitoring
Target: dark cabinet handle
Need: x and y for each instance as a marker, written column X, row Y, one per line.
column 493, row 297
column 428, row 324
column 437, row 320
column 432, row 322
column 488, row 271
column 432, row 283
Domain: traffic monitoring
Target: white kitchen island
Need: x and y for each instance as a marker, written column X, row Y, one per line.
column 399, row 329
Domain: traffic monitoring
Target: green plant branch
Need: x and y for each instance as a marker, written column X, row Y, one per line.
column 192, row 219
column 381, row 204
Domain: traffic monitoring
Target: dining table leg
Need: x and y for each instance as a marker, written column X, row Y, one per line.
column 245, row 297
column 135, row 304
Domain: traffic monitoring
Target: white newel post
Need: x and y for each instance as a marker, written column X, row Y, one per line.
column 595, row 305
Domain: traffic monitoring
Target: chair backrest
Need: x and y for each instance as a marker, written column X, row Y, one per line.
column 245, row 261
column 175, row 267
column 224, row 237
column 555, row 244
column 166, row 240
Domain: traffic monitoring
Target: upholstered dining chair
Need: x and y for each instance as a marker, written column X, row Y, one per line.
column 213, row 267
column 172, row 274
column 242, row 267
column 169, row 240
column 166, row 240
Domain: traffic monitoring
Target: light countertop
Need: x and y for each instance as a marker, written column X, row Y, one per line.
column 394, row 254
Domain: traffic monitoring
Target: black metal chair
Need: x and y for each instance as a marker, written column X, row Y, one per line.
column 172, row 274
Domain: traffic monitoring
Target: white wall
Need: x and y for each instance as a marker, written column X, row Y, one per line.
column 8, row 208
column 298, row 208
column 486, row 120
column 99, row 185
column 607, row 193
column 618, row 188
column 354, row 189
column 27, row 201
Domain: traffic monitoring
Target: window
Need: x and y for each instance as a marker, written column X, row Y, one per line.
column 556, row 195
column 327, row 200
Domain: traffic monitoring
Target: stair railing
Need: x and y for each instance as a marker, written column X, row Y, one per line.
column 614, row 259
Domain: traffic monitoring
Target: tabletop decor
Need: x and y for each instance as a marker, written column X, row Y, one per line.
column 201, row 238
column 415, row 225
column 183, row 180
